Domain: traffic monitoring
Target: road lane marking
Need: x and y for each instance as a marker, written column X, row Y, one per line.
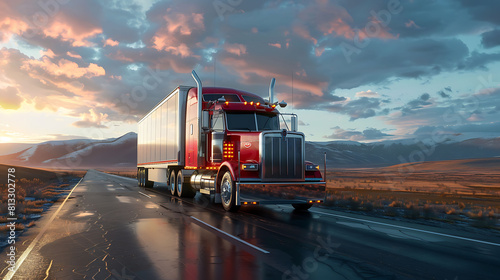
column 124, row 199
column 39, row 235
column 144, row 194
column 409, row 228
column 226, row 235
column 47, row 271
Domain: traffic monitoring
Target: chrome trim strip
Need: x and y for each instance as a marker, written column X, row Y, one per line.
column 304, row 183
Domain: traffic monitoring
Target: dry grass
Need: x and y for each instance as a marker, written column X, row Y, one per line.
column 19, row 227
column 42, row 190
column 445, row 196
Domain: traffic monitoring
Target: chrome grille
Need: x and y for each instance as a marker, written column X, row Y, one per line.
column 282, row 158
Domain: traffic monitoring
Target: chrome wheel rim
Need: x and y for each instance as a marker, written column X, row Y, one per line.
column 172, row 182
column 179, row 184
column 226, row 191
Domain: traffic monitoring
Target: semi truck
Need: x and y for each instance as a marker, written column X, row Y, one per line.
column 229, row 144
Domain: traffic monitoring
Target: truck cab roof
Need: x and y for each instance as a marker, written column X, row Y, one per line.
column 231, row 95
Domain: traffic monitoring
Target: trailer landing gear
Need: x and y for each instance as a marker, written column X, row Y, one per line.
column 142, row 179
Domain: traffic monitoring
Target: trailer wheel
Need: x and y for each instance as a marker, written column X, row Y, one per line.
column 183, row 188
column 173, row 183
column 228, row 193
column 301, row 207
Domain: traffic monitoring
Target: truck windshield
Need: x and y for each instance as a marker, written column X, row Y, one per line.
column 268, row 122
column 247, row 121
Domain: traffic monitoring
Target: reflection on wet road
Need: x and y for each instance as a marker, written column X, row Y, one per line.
column 110, row 229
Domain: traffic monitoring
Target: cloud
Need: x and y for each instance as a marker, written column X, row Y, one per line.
column 10, row 99
column 96, row 53
column 63, row 67
column 354, row 135
column 361, row 108
column 478, row 60
column 411, row 24
column 92, row 119
column 491, row 38
column 367, row 93
column 176, row 30
column 65, row 31
column 443, row 94
column 236, row 49
column 420, row 102
column 276, row 45
column 111, row 42
column 478, row 110
column 10, row 26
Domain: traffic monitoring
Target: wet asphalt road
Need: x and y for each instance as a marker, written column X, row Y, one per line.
column 111, row 229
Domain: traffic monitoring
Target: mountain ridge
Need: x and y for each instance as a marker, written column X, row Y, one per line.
column 121, row 152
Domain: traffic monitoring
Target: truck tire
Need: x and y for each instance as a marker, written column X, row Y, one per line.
column 228, row 193
column 146, row 182
column 183, row 188
column 173, row 183
column 302, row 207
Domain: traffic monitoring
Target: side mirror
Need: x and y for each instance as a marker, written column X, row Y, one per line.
column 205, row 120
column 295, row 123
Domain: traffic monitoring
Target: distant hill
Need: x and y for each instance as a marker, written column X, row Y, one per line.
column 463, row 166
column 118, row 152
column 121, row 152
column 386, row 153
column 10, row 148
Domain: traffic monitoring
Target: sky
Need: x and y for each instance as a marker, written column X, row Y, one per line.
column 351, row 70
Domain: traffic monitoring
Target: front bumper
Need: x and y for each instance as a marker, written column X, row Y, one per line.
column 279, row 192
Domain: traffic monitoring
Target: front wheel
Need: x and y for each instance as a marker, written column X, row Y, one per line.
column 228, row 193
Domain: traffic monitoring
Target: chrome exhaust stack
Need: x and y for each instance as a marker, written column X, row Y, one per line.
column 200, row 103
column 271, row 91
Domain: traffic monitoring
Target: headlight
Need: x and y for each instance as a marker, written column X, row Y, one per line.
column 312, row 167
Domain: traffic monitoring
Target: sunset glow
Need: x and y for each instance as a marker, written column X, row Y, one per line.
column 370, row 70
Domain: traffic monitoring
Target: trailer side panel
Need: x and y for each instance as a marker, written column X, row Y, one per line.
column 161, row 139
